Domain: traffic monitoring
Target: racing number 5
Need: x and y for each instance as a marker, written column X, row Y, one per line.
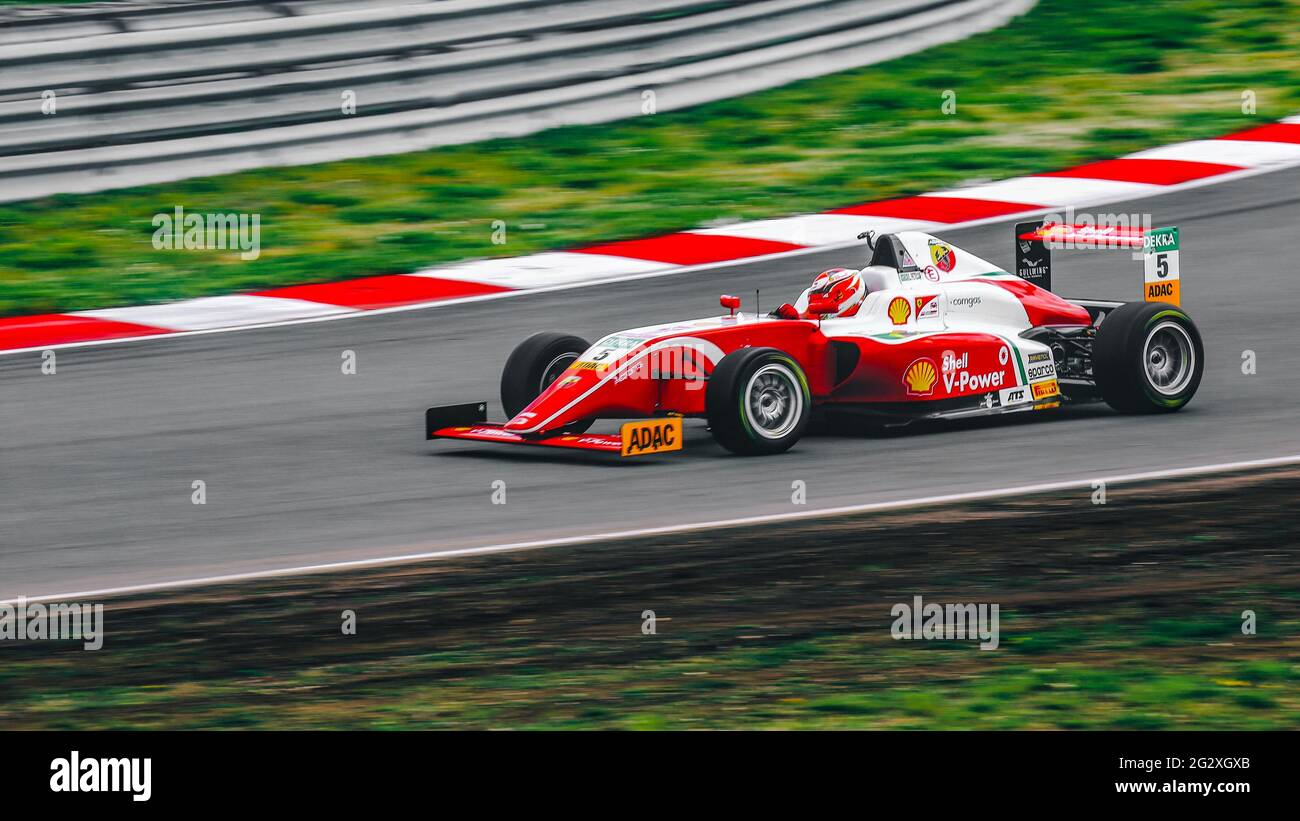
column 1162, row 265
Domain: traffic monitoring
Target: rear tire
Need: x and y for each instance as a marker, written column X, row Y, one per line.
column 1147, row 358
column 758, row 402
column 533, row 365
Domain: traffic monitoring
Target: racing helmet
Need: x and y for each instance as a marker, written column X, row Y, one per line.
column 843, row 287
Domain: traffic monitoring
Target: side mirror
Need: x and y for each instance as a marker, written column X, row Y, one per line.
column 732, row 303
column 821, row 304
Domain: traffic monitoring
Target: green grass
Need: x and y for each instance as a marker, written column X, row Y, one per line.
column 1066, row 83
column 1097, row 677
column 1111, row 617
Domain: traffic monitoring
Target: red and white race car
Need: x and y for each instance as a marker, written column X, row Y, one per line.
column 925, row 330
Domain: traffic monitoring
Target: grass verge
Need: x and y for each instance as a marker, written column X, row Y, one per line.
column 1064, row 84
column 1122, row 616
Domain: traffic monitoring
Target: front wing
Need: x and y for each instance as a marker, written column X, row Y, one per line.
column 469, row 421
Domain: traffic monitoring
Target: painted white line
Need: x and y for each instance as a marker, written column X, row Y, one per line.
column 671, row 271
column 817, row 229
column 1056, row 191
column 541, row 270
column 872, row 507
column 213, row 312
column 1246, row 153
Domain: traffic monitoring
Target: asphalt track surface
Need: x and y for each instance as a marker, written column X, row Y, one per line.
column 304, row 465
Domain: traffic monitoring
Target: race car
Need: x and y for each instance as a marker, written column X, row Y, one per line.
column 925, row 330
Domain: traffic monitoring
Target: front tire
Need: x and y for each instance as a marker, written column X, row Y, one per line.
column 758, row 402
column 1147, row 358
column 533, row 365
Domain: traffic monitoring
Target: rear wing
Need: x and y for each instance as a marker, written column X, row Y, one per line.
column 1159, row 246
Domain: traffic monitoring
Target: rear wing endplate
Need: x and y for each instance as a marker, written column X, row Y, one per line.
column 1035, row 241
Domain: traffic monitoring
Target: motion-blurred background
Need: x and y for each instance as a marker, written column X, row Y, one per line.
column 375, row 137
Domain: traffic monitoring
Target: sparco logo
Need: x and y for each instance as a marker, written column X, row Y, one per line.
column 1037, row 372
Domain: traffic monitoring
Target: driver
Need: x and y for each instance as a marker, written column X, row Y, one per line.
column 843, row 287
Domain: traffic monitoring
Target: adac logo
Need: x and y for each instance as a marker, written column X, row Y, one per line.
column 920, row 376
column 899, row 311
column 943, row 256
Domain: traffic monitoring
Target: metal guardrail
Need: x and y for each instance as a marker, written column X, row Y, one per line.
column 460, row 71
column 566, row 58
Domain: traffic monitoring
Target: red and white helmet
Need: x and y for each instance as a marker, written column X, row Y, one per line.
column 844, row 289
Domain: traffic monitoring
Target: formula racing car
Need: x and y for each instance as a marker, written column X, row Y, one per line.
column 925, row 331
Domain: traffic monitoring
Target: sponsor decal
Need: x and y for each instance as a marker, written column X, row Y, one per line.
column 1042, row 390
column 1040, row 356
column 1162, row 292
column 568, row 381
column 899, row 311
column 927, row 306
column 909, row 276
column 1160, row 262
column 957, row 379
column 636, row 370
column 1003, row 355
column 953, row 362
column 1046, row 370
column 1033, row 270
column 651, row 436
column 1014, row 396
column 617, row 341
column 943, row 255
column 1160, row 239
column 497, row 432
column 965, row 301
column 590, row 366
column 920, row 376
column 932, row 273
column 1033, row 259
column 963, row 381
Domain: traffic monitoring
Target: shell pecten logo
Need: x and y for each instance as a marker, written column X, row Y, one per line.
column 920, row 376
column 899, row 311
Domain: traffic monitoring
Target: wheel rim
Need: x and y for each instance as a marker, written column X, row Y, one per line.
column 552, row 371
column 773, row 401
column 1169, row 358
